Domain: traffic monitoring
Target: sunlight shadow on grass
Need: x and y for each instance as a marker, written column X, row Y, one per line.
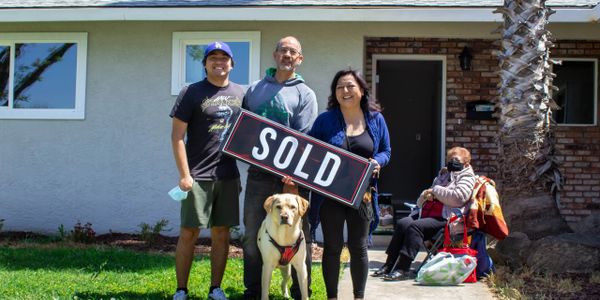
column 85, row 258
column 125, row 295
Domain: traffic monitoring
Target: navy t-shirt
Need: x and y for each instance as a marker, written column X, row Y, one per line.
column 209, row 111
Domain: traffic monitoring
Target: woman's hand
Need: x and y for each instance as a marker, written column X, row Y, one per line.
column 376, row 169
column 289, row 186
column 426, row 195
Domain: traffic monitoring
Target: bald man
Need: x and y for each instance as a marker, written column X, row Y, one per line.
column 281, row 96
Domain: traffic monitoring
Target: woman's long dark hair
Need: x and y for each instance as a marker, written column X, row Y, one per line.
column 366, row 102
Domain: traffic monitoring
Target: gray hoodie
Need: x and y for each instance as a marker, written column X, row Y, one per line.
column 291, row 103
column 454, row 189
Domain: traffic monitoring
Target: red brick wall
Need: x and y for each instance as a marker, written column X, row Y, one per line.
column 579, row 147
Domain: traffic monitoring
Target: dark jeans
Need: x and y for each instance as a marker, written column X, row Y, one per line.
column 333, row 215
column 313, row 213
column 259, row 187
column 408, row 237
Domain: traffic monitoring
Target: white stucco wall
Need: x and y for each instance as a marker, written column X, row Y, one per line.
column 113, row 169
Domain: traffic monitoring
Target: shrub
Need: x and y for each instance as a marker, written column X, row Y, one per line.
column 62, row 233
column 149, row 233
column 83, row 234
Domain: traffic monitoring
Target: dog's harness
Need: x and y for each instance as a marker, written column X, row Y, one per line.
column 287, row 252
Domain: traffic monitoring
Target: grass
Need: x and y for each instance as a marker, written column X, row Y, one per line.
column 67, row 271
column 525, row 284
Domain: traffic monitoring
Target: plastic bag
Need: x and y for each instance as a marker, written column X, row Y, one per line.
column 460, row 251
column 446, row 269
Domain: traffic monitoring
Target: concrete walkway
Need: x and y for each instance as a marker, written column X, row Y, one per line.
column 409, row 289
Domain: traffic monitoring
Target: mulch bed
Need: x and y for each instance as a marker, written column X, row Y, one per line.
column 533, row 286
column 162, row 244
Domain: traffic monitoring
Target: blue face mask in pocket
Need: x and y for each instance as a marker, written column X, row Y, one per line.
column 177, row 194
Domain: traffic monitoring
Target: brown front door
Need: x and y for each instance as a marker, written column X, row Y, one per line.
column 410, row 92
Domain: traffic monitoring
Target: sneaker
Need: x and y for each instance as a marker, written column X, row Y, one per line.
column 180, row 295
column 217, row 294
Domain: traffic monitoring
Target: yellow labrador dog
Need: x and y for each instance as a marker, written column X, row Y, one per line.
column 281, row 242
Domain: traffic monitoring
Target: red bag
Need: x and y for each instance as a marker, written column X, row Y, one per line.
column 460, row 251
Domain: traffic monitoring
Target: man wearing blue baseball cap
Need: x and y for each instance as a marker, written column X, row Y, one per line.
column 203, row 112
column 217, row 46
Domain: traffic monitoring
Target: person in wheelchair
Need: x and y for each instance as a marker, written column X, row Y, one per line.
column 452, row 188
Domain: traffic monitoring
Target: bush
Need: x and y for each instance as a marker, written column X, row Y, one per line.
column 62, row 233
column 82, row 234
column 149, row 233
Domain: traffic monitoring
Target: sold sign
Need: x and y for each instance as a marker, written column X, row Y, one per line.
column 321, row 167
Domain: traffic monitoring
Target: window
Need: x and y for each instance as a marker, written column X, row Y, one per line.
column 42, row 75
column 188, row 51
column 576, row 80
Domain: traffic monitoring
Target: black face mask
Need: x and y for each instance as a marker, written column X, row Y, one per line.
column 455, row 165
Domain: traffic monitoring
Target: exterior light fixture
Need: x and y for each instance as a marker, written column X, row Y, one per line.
column 465, row 58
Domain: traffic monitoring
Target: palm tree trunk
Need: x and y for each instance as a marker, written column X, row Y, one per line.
column 530, row 179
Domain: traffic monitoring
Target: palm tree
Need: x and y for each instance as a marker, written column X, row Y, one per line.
column 530, row 178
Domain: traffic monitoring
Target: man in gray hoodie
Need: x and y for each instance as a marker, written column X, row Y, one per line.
column 281, row 96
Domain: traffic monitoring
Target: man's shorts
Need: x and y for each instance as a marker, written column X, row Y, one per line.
column 212, row 203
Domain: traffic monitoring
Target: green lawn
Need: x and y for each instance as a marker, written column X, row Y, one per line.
column 42, row 271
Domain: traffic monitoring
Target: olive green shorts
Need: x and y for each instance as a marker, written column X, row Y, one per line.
column 212, row 203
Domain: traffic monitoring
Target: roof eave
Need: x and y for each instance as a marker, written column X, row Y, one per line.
column 438, row 14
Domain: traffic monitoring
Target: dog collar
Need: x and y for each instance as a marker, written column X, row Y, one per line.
column 287, row 252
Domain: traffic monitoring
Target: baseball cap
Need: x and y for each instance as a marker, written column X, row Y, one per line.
column 218, row 46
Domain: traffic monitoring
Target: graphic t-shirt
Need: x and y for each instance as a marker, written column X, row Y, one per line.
column 209, row 111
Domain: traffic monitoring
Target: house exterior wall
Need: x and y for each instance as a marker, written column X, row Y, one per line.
column 113, row 169
column 461, row 87
column 578, row 146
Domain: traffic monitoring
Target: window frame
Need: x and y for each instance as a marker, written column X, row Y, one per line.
column 181, row 39
column 595, row 97
column 76, row 113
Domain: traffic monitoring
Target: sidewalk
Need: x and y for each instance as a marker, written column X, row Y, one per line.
column 409, row 289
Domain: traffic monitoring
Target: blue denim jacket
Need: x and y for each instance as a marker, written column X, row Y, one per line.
column 331, row 128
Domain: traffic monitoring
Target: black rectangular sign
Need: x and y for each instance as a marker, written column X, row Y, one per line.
column 314, row 164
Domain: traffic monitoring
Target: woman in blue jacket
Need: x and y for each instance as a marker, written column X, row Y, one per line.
column 353, row 122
